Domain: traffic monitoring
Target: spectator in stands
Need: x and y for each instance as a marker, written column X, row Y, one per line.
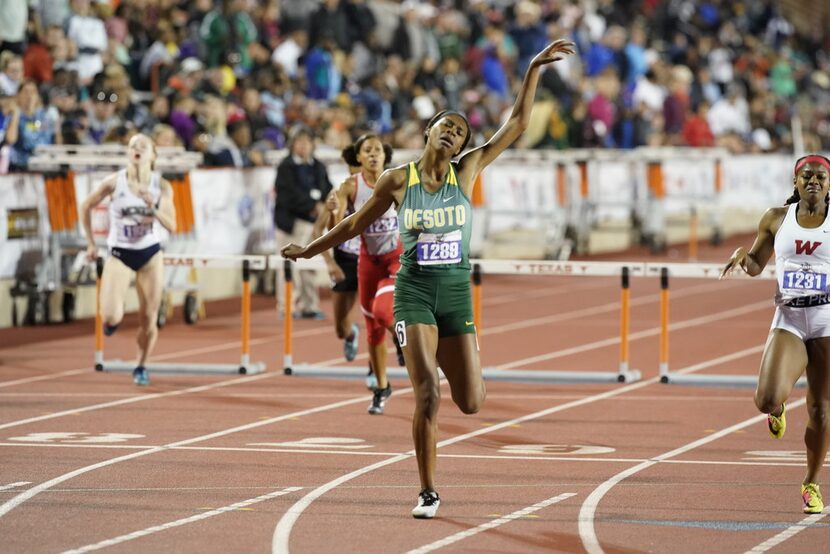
column 730, row 115
column 222, row 151
column 181, row 118
column 11, row 72
column 227, row 32
column 29, row 127
column 288, row 53
column 696, row 131
column 13, row 26
column 331, row 20
column 88, row 32
column 102, row 116
column 164, row 135
column 302, row 184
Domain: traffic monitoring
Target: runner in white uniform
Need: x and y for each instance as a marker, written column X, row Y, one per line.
column 138, row 199
column 799, row 341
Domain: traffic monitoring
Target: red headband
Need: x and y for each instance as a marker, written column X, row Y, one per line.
column 813, row 159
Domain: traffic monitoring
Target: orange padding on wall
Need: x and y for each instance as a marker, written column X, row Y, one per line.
column 478, row 192
column 183, row 202
column 61, row 201
column 655, row 179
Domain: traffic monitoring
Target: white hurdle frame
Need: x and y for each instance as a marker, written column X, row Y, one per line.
column 244, row 367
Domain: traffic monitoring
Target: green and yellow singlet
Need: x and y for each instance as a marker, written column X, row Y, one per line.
column 435, row 227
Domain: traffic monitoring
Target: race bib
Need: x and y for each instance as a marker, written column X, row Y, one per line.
column 808, row 281
column 135, row 232
column 434, row 249
column 382, row 226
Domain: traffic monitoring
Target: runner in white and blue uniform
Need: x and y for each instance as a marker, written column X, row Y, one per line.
column 799, row 340
column 139, row 200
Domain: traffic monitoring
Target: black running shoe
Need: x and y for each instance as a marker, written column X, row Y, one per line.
column 379, row 399
column 427, row 507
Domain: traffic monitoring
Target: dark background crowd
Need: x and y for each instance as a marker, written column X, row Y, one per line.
column 229, row 78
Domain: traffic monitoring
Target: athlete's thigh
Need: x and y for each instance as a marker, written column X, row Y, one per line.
column 783, row 362
column 149, row 283
column 420, row 345
column 818, row 369
column 115, row 280
column 459, row 360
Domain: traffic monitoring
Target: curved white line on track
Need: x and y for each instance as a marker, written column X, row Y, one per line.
column 279, row 543
column 587, row 512
column 11, row 504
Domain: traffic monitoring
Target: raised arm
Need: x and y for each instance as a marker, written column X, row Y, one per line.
column 384, row 195
column 104, row 189
column 754, row 261
column 477, row 159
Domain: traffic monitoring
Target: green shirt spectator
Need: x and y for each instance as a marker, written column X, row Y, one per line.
column 227, row 33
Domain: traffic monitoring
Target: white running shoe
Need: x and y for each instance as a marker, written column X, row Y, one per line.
column 427, row 507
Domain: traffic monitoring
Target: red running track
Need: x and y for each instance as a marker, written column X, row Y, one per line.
column 252, row 463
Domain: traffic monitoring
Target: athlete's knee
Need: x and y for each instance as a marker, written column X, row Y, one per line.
column 768, row 401
column 471, row 403
column 818, row 411
column 427, row 398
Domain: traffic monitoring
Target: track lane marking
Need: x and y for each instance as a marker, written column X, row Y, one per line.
column 461, row 535
column 179, row 522
column 786, row 534
column 587, row 512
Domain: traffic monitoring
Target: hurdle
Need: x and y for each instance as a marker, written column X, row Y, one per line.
column 481, row 268
column 700, row 271
column 625, row 270
column 289, row 268
column 244, row 367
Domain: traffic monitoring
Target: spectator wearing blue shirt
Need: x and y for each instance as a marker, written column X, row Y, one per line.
column 28, row 127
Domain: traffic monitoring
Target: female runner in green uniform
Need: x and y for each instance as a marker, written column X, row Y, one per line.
column 433, row 308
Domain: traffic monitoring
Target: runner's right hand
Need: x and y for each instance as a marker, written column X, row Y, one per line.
column 335, row 273
column 292, row 251
column 91, row 253
column 738, row 259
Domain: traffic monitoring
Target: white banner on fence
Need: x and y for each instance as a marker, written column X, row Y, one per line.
column 518, row 194
column 25, row 219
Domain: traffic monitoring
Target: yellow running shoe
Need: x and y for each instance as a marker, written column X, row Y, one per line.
column 811, row 495
column 778, row 424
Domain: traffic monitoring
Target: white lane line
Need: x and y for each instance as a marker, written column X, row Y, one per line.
column 179, row 522
column 140, row 398
column 11, row 504
column 13, row 485
column 753, row 462
column 279, row 542
column 704, row 320
column 587, row 512
column 461, row 535
column 44, row 377
column 787, row 533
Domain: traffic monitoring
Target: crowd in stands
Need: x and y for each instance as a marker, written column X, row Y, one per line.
column 229, row 78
